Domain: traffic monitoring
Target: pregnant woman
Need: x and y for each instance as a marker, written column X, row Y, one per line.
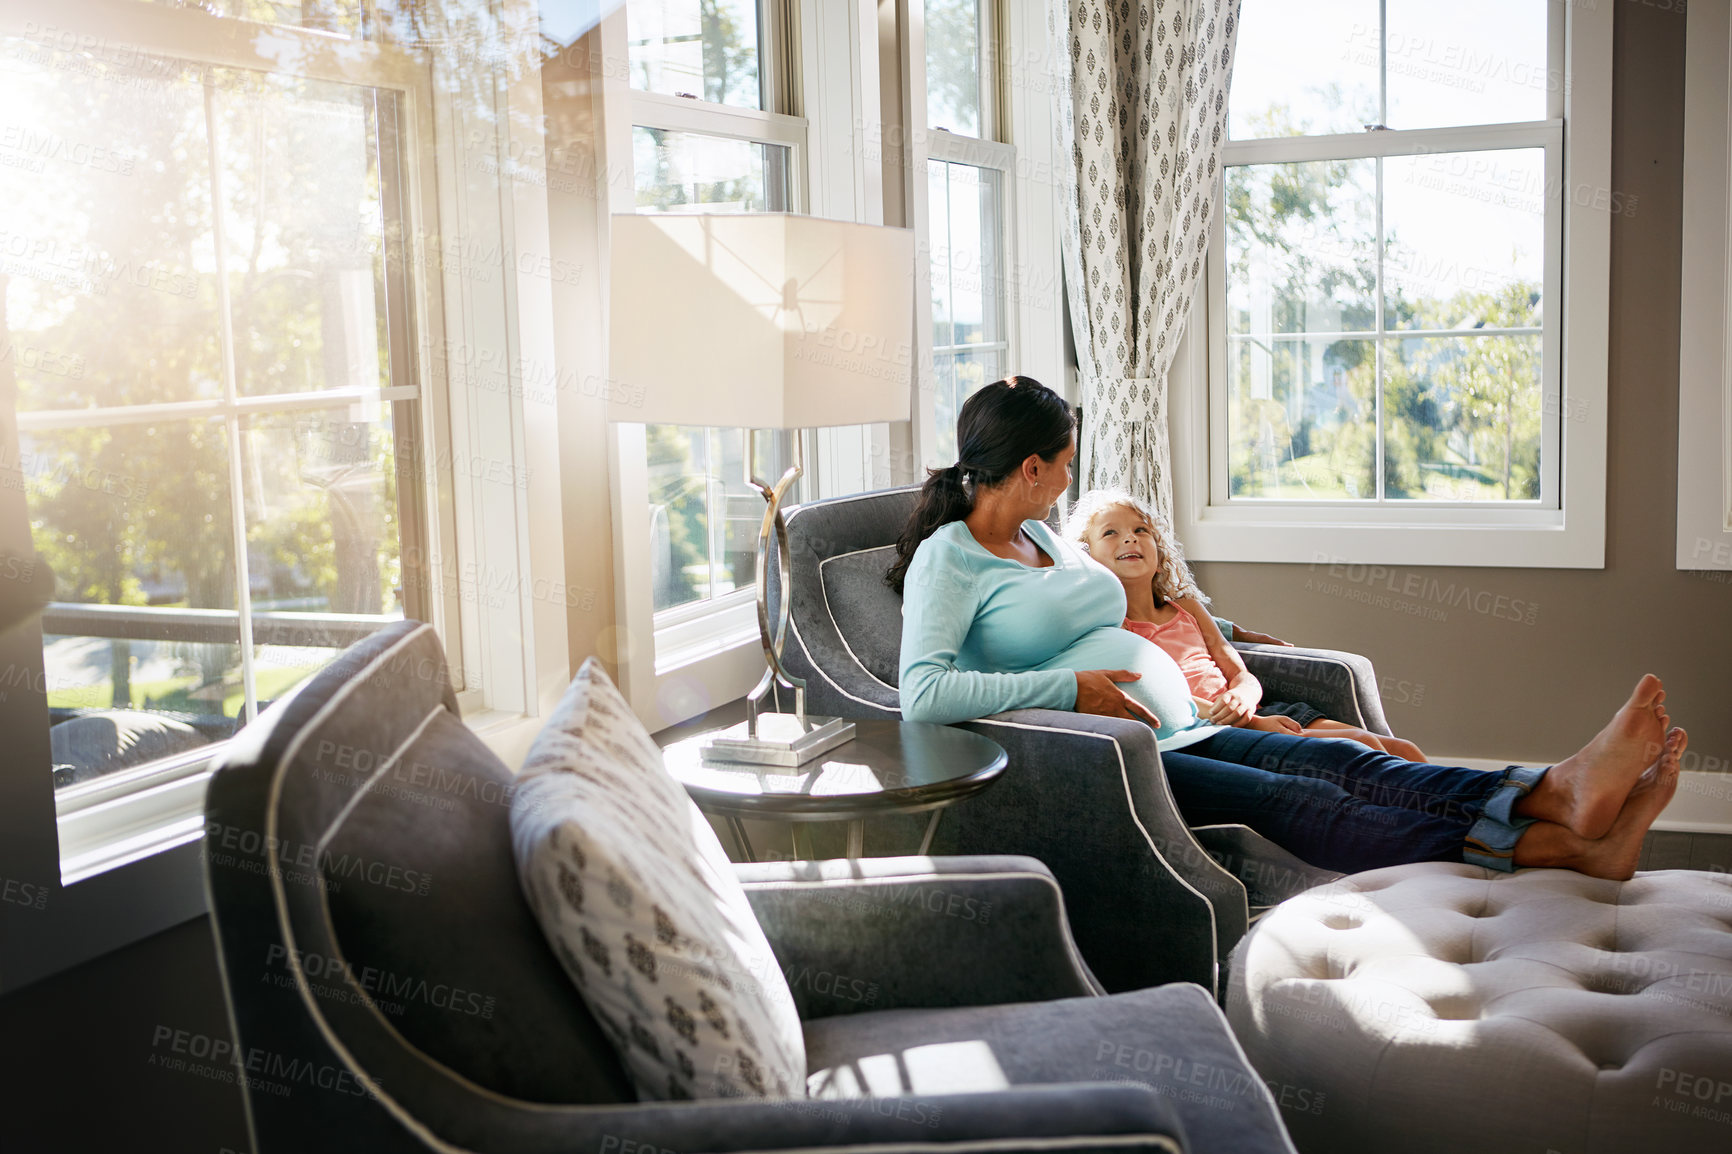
column 1000, row 613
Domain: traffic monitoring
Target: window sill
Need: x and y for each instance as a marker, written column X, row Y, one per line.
column 1523, row 539
column 125, row 817
column 116, row 820
column 711, row 635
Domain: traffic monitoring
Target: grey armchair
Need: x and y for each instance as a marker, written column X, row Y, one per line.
column 1150, row 900
column 390, row 990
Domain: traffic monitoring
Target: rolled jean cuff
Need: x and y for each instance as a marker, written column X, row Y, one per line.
column 1492, row 839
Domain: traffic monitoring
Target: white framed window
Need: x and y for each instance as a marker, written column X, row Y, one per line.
column 710, row 133
column 219, row 394
column 982, row 202
column 1398, row 351
column 278, row 377
column 715, row 99
column 967, row 210
column 968, row 191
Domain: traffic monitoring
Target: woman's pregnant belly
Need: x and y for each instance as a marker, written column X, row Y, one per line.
column 1162, row 686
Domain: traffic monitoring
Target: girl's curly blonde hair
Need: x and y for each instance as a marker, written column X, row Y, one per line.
column 1173, row 579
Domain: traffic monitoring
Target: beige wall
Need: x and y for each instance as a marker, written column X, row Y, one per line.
column 1480, row 685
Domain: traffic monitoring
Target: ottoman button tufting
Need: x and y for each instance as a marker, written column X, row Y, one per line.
column 1436, row 1034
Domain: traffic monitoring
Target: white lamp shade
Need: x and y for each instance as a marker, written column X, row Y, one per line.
column 762, row 320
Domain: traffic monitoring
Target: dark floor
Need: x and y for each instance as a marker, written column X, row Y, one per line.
column 85, row 1056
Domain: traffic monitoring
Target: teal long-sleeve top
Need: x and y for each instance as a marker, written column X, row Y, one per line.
column 982, row 634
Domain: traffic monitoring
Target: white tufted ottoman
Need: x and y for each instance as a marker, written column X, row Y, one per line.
column 1441, row 1007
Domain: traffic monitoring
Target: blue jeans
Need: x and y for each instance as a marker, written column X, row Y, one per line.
column 1344, row 806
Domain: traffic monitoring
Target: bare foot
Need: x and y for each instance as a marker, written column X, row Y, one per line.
column 1615, row 855
column 1585, row 792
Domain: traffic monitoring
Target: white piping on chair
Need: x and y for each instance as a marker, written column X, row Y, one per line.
column 1352, row 676
column 413, row 1124
column 825, row 590
column 294, row 957
column 795, row 626
column 1130, row 804
column 420, row 1129
column 990, row 1144
column 1268, row 1099
column 1124, row 778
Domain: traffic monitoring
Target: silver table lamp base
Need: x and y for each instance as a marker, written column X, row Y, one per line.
column 782, row 740
column 776, row 739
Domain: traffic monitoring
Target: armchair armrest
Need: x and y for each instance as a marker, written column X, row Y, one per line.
column 1032, row 1119
column 1343, row 685
column 862, row 934
column 1087, row 796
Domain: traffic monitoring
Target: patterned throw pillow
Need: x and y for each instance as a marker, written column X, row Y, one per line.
column 639, row 901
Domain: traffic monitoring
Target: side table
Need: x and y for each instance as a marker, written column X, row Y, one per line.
column 889, row 767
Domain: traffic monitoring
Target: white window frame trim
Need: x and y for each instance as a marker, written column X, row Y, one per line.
column 680, row 663
column 119, row 859
column 945, row 147
column 1015, row 45
column 1566, row 528
column 1704, row 540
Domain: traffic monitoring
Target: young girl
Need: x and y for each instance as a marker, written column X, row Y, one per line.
column 1164, row 605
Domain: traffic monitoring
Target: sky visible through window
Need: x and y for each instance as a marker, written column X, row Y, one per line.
column 1312, row 69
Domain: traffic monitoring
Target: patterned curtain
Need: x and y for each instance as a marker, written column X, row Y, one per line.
column 1142, row 111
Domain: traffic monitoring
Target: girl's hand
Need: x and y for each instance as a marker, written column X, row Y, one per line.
column 1233, row 707
column 1098, row 693
column 1275, row 724
column 1240, row 633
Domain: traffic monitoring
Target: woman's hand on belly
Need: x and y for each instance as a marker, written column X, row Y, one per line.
column 1097, row 692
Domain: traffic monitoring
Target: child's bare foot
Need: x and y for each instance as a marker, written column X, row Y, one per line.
column 1615, row 855
column 1586, row 791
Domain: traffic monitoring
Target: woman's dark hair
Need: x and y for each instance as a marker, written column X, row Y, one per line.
column 999, row 428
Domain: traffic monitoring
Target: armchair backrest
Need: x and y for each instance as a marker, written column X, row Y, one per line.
column 379, row 959
column 845, row 630
column 845, row 623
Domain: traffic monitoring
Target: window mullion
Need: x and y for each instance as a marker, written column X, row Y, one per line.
column 1378, row 351
column 231, row 420
column 1383, row 63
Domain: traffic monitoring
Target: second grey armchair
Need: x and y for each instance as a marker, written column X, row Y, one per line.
column 1150, row 899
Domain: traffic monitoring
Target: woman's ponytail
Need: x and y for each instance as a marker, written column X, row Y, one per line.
column 999, row 427
column 943, row 498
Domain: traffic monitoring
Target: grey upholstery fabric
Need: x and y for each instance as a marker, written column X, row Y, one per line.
column 859, row 601
column 1083, row 794
column 856, row 936
column 1342, row 685
column 1170, row 1039
column 395, row 919
column 1270, row 874
column 1086, row 795
column 389, row 990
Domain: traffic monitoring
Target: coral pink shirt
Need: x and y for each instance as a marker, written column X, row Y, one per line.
column 1183, row 642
